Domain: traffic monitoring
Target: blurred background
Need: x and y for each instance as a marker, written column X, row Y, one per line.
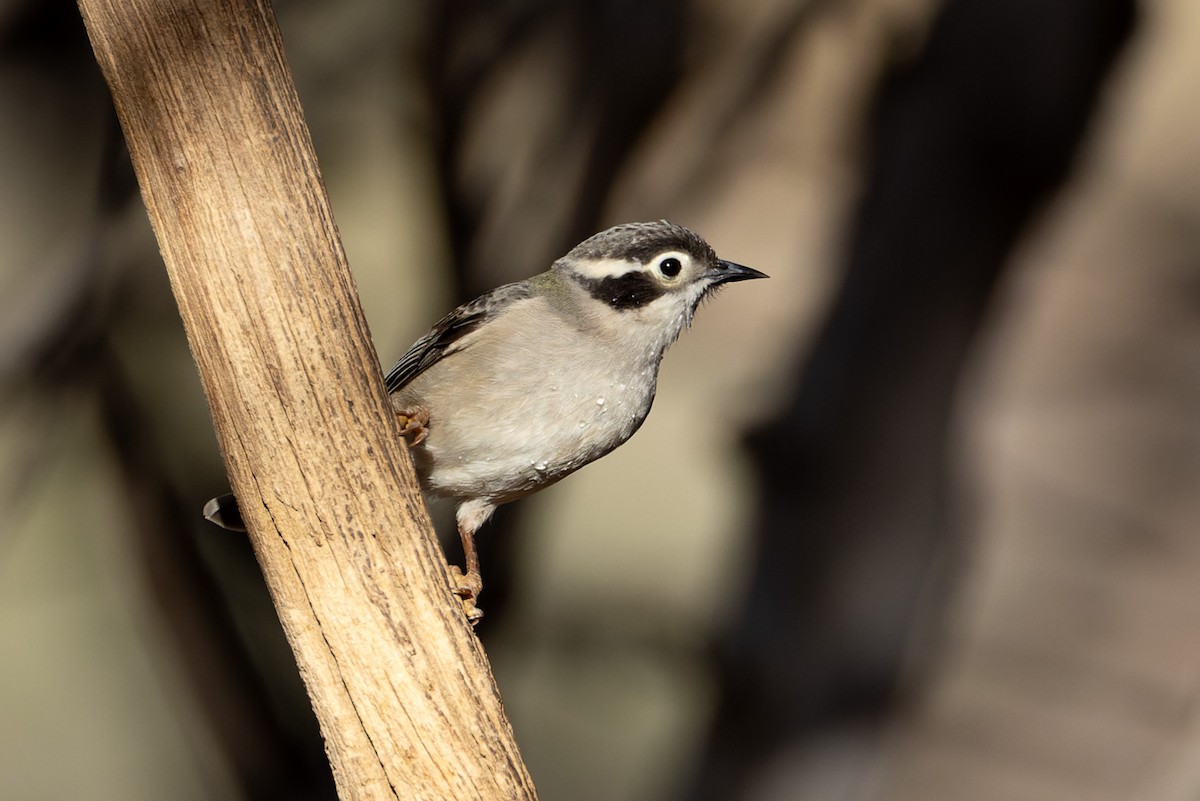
column 916, row 519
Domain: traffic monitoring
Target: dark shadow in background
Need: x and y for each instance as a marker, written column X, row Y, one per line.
column 968, row 144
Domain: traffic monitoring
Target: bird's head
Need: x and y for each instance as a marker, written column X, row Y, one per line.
column 649, row 276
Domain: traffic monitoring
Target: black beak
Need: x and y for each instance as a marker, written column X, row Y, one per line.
column 727, row 271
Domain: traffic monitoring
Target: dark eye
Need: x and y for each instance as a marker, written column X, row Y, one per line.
column 670, row 267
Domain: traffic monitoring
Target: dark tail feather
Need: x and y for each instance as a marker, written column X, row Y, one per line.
column 223, row 510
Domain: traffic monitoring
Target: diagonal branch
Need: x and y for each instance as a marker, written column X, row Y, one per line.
column 401, row 687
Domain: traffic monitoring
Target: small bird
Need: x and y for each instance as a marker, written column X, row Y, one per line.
column 513, row 391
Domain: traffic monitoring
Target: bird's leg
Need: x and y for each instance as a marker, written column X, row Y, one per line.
column 467, row 585
column 414, row 423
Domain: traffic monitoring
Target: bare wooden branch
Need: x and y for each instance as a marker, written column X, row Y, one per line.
column 402, row 689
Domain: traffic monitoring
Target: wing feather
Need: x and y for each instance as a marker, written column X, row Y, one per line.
column 443, row 339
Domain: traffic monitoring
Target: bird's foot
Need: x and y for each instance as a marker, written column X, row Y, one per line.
column 414, row 425
column 467, row 587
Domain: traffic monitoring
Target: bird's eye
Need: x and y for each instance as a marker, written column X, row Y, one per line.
column 670, row 267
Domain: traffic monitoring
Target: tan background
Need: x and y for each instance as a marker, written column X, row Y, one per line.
column 1068, row 665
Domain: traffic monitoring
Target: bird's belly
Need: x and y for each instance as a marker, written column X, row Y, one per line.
column 521, row 443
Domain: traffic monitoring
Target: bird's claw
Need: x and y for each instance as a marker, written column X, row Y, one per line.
column 467, row 587
column 414, row 425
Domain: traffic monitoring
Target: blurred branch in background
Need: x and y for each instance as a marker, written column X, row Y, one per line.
column 968, row 144
column 539, row 105
column 1069, row 669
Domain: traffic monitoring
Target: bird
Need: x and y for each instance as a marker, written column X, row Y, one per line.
column 515, row 390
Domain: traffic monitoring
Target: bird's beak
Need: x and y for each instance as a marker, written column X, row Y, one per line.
column 727, row 271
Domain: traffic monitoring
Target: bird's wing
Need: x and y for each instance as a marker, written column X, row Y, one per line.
column 444, row 338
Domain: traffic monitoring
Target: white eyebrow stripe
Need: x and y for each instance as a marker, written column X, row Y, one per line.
column 604, row 268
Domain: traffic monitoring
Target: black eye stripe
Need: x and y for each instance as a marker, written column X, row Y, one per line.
column 631, row 290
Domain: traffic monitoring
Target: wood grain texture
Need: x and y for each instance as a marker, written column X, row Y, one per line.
column 403, row 691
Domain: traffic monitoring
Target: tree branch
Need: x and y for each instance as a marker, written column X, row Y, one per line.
column 400, row 685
